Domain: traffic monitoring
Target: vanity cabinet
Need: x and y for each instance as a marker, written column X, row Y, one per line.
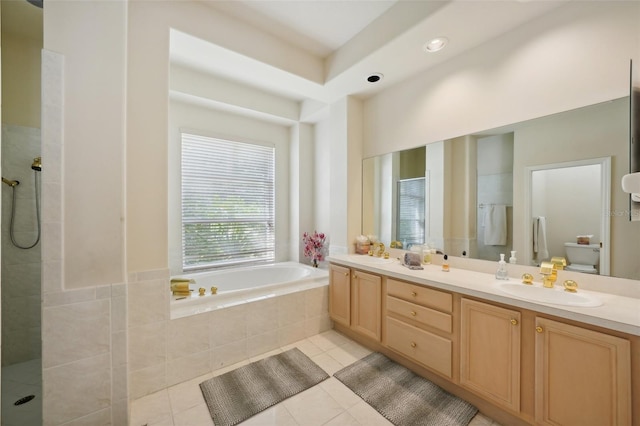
column 340, row 294
column 490, row 352
column 582, row 377
column 366, row 304
column 419, row 324
column 355, row 300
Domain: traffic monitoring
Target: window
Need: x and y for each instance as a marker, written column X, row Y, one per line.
column 411, row 208
column 228, row 198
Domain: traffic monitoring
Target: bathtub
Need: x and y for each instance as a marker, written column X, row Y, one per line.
column 244, row 285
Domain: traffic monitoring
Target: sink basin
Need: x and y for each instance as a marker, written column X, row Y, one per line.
column 372, row 259
column 555, row 296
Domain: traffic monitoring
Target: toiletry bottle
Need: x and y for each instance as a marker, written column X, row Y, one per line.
column 445, row 263
column 501, row 273
column 513, row 259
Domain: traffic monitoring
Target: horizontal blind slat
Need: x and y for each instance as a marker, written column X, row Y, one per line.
column 228, row 202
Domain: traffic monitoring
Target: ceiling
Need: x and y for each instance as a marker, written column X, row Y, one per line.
column 348, row 39
column 353, row 39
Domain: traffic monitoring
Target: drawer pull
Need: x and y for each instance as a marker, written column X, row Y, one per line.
column 414, row 344
column 414, row 294
column 539, row 329
column 413, row 313
column 514, row 321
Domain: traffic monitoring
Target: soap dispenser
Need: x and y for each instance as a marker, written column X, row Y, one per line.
column 513, row 259
column 501, row 273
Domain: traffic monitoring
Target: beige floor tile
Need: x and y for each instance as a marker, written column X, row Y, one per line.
column 277, row 415
column 367, row 415
column 196, row 416
column 306, row 346
column 342, row 394
column 327, row 363
column 167, row 421
column 151, row 409
column 265, row 355
column 313, row 407
column 187, row 395
column 480, row 420
column 328, row 340
column 344, row 419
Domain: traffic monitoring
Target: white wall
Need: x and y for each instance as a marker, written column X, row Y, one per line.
column 571, row 199
column 579, row 55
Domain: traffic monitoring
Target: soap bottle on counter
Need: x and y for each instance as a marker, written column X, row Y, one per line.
column 502, row 273
column 445, row 263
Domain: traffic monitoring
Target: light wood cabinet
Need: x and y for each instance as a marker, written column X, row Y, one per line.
column 366, row 304
column 582, row 377
column 340, row 294
column 490, row 352
column 419, row 324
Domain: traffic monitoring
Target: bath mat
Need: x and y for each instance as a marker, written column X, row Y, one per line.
column 239, row 394
column 403, row 397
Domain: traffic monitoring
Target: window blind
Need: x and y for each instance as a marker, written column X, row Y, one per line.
column 411, row 208
column 228, row 199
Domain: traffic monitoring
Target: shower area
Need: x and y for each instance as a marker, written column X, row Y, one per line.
column 21, row 168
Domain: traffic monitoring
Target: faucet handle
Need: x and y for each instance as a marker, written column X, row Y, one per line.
column 571, row 286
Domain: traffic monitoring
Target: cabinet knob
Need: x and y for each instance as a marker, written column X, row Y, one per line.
column 539, row 329
column 414, row 294
column 514, row 321
column 355, row 276
column 413, row 313
column 346, row 274
column 414, row 344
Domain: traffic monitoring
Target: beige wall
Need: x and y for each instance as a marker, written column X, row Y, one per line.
column 598, row 131
column 21, row 81
column 576, row 56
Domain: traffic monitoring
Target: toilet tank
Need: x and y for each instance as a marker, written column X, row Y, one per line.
column 582, row 254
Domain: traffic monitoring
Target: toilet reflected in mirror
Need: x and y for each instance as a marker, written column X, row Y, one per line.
column 582, row 257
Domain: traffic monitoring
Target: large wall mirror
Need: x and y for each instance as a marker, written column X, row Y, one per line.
column 535, row 187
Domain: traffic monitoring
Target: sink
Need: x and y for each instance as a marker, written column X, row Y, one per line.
column 555, row 296
column 371, row 259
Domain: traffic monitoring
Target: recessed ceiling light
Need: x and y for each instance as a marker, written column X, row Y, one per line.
column 435, row 44
column 375, row 77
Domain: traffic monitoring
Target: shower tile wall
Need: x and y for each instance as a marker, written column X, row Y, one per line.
column 21, row 285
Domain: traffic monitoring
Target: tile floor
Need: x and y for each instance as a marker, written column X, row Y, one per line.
column 328, row 403
column 20, row 380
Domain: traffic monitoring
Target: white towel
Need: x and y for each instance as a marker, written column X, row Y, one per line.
column 540, row 250
column 495, row 225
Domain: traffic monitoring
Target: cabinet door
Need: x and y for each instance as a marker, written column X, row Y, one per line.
column 366, row 299
column 490, row 352
column 583, row 377
column 340, row 294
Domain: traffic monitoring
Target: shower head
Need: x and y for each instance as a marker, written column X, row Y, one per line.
column 37, row 164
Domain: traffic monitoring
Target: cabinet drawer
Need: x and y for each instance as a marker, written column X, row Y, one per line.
column 428, row 349
column 421, row 295
column 426, row 316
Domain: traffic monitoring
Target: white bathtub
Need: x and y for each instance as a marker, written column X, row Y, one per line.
column 247, row 284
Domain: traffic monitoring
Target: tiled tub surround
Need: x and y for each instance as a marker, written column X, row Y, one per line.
column 164, row 351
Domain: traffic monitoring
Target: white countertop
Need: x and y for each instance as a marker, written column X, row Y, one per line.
column 618, row 313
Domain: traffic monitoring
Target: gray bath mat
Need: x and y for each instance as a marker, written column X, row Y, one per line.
column 239, row 394
column 403, row 397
